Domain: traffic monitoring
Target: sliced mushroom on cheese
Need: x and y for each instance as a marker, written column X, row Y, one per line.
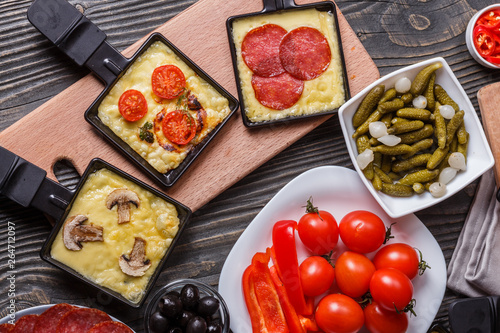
column 75, row 232
column 135, row 264
column 122, row 198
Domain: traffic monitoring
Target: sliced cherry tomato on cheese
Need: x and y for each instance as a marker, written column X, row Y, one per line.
column 168, row 81
column 132, row 105
column 179, row 127
column 489, row 19
column 484, row 41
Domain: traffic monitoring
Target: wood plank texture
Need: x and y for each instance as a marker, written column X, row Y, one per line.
column 395, row 34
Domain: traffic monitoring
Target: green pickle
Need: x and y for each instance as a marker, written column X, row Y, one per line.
column 443, row 97
column 427, row 138
column 429, row 92
column 367, row 105
column 422, row 79
column 414, row 113
column 412, row 137
column 420, row 176
column 397, row 190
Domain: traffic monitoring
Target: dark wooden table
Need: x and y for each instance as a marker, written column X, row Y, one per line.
column 395, row 34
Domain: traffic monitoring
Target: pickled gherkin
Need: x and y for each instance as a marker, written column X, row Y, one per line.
column 422, row 79
column 426, row 137
column 368, row 105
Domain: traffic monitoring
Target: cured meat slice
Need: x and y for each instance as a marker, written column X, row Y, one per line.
column 48, row 320
column 279, row 92
column 25, row 324
column 110, row 327
column 260, row 50
column 81, row 320
column 6, row 328
column 305, row 53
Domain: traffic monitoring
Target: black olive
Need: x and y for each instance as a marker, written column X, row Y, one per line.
column 214, row 327
column 174, row 292
column 175, row 330
column 170, row 306
column 190, row 295
column 196, row 325
column 158, row 323
column 207, row 306
column 185, row 317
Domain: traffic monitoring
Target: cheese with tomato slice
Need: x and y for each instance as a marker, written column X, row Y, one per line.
column 161, row 154
column 321, row 94
column 154, row 220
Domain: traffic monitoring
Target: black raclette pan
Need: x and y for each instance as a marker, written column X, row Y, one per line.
column 86, row 44
column 26, row 184
column 284, row 6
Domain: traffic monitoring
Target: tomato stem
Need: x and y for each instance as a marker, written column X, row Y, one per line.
column 310, row 208
column 388, row 233
column 422, row 265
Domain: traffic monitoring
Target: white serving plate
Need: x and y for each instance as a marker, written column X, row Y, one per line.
column 39, row 310
column 338, row 190
column 479, row 156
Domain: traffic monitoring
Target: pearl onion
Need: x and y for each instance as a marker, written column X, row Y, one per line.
column 377, row 129
column 365, row 158
column 457, row 161
column 437, row 189
column 420, row 102
column 447, row 111
column 390, row 140
column 403, row 85
column 447, row 175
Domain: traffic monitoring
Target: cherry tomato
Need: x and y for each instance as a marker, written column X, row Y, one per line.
column 316, row 275
column 353, row 272
column 318, row 230
column 399, row 256
column 337, row 313
column 168, row 81
column 379, row 320
column 179, row 127
column 484, row 41
column 132, row 105
column 391, row 288
column 362, row 231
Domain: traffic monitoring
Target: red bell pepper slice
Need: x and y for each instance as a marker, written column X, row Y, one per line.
column 262, row 298
column 294, row 323
column 287, row 263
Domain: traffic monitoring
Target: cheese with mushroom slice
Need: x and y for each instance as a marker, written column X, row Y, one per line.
column 155, row 220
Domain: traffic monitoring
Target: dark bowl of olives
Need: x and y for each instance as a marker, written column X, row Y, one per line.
column 186, row 306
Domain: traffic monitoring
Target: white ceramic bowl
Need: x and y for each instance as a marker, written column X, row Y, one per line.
column 469, row 39
column 479, row 156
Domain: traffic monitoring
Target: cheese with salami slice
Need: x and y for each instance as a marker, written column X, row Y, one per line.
column 309, row 51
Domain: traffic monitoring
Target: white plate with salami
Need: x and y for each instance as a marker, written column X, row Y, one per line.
column 337, row 190
column 45, row 318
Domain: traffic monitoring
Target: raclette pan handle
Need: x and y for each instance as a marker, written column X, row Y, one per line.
column 26, row 184
column 275, row 5
column 77, row 37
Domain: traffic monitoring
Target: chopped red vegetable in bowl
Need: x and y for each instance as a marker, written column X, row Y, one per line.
column 483, row 36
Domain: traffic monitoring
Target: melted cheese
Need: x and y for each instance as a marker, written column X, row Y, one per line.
column 155, row 220
column 326, row 92
column 138, row 77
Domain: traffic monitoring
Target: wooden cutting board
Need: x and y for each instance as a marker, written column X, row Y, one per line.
column 489, row 101
column 57, row 129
